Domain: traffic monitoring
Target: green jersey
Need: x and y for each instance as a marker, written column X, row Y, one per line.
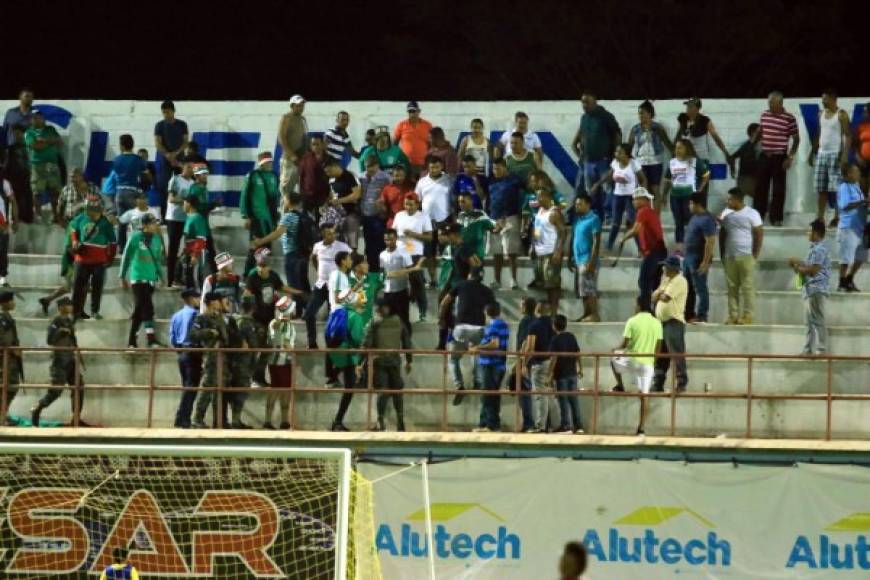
column 356, row 330
column 259, row 198
column 48, row 154
column 143, row 258
column 372, row 286
column 196, row 226
column 388, row 158
column 445, row 271
column 475, row 224
column 200, row 192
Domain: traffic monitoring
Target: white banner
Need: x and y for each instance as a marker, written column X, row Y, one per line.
column 231, row 133
column 504, row 519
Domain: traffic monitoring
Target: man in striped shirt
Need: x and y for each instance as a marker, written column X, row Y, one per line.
column 338, row 140
column 777, row 127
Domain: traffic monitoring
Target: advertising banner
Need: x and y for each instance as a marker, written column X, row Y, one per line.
column 638, row 519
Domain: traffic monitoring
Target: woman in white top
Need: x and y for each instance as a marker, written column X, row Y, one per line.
column 648, row 140
column 478, row 146
column 627, row 174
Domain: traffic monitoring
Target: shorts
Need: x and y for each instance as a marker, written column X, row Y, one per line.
column 507, row 241
column 587, row 284
column 852, row 248
column 639, row 374
column 548, row 277
column 826, row 173
column 44, row 177
column 653, row 173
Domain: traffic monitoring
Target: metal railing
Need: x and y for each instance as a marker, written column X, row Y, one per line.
column 512, row 387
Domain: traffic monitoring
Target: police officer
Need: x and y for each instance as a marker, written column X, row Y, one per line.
column 210, row 331
column 9, row 338
column 62, row 333
column 388, row 331
column 251, row 335
column 190, row 362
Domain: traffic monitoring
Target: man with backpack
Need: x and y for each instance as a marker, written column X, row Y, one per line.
column 298, row 233
column 258, row 203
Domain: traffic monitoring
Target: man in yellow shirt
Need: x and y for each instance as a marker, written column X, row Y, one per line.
column 121, row 568
column 670, row 305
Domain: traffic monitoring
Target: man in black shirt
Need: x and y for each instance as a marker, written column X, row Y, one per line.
column 456, row 263
column 471, row 297
column 343, row 205
column 564, row 371
column 170, row 137
column 541, row 333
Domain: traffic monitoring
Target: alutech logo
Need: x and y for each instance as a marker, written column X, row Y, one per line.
column 636, row 538
column 846, row 548
column 460, row 531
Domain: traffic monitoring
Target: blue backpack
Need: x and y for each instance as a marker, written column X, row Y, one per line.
column 336, row 327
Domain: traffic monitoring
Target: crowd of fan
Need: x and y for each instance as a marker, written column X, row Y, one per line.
column 429, row 215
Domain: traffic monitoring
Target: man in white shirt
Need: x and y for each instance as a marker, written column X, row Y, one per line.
column 339, row 281
column 396, row 264
column 740, row 239
column 323, row 256
column 414, row 228
column 530, row 138
column 434, row 191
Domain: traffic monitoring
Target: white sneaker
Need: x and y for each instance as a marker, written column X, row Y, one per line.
column 257, row 385
column 495, row 286
column 3, row 282
column 514, row 285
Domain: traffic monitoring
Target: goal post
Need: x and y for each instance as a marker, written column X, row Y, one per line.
column 216, row 511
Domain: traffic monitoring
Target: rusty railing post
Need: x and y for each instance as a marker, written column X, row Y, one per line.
column 444, row 370
column 596, row 394
column 749, row 398
column 293, row 370
column 370, row 381
column 151, row 385
column 218, row 396
column 830, row 399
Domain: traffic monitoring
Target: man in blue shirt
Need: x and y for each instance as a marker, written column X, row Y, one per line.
column 815, row 272
column 170, row 137
column 496, row 337
column 20, row 115
column 128, row 168
column 850, row 235
column 503, row 204
column 585, row 247
column 189, row 363
column 471, row 181
column 700, row 241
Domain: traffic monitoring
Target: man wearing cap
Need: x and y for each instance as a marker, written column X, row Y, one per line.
column 372, row 183
column 647, row 229
column 389, row 154
column 142, row 268
column 189, row 363
column 266, row 286
column 62, row 333
column 387, row 332
column 699, row 129
column 412, row 136
column 9, row 340
column 170, row 137
column 225, row 282
column 414, row 229
column 475, row 223
column 43, row 149
column 594, row 143
column 92, row 242
column 210, row 331
column 670, row 304
column 282, row 337
column 313, row 181
column 258, row 203
column 196, row 235
column 293, row 138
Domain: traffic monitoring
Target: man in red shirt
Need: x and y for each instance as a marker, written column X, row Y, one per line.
column 412, row 135
column 648, row 231
column 313, row 181
column 392, row 199
column 777, row 126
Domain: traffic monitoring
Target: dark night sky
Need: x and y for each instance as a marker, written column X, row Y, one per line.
column 523, row 50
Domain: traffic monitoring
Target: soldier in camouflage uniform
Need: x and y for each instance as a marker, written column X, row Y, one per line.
column 210, row 331
column 9, row 338
column 62, row 332
column 252, row 334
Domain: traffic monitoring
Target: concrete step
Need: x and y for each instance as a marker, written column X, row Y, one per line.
column 602, row 337
column 779, row 243
column 775, row 308
column 695, row 416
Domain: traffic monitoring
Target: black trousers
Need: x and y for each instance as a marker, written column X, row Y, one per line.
column 143, row 310
column 400, row 302
column 770, row 186
column 88, row 274
column 349, row 376
column 190, row 368
column 4, row 253
column 319, row 297
column 175, row 231
column 66, row 376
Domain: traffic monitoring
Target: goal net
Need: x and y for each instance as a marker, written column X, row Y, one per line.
column 184, row 512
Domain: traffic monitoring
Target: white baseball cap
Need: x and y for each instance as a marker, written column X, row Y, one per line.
column 297, row 99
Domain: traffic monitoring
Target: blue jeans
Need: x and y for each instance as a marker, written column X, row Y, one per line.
column 569, row 406
column 590, row 172
column 490, row 378
column 697, row 288
column 373, row 233
column 621, row 205
column 682, row 215
column 296, row 272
